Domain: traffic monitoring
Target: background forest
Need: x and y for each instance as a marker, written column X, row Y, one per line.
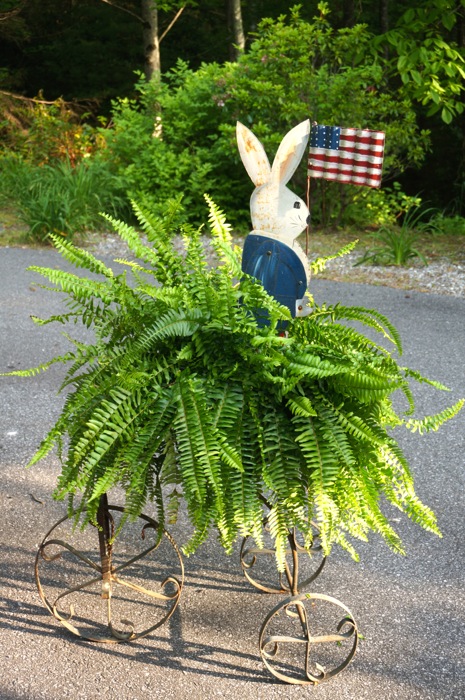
column 105, row 101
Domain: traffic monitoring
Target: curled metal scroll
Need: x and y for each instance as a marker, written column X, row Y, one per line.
column 113, row 581
column 254, row 559
column 292, row 655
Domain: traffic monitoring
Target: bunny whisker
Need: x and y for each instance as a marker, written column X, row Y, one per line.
column 296, row 223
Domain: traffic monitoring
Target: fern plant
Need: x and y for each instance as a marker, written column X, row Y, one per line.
column 182, row 395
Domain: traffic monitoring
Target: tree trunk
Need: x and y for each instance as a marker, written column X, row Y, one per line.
column 348, row 13
column 235, row 19
column 384, row 16
column 384, row 23
column 150, row 38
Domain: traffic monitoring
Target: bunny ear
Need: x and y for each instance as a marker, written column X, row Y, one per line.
column 253, row 155
column 290, row 152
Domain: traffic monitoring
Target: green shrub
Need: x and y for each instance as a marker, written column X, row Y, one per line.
column 295, row 70
column 162, row 143
column 183, row 395
column 60, row 199
column 449, row 225
column 379, row 207
column 396, row 242
column 43, row 133
column 178, row 135
column 395, row 245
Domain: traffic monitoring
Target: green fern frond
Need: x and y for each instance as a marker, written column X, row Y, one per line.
column 227, row 402
column 410, row 373
column 419, row 513
column 46, row 446
column 79, row 288
column 281, row 471
column 198, row 454
column 356, row 426
column 32, row 371
column 367, row 388
column 80, row 258
column 310, row 365
column 154, row 226
column 365, row 488
column 128, row 234
column 334, row 433
column 58, row 318
column 328, row 517
column 368, row 317
column 222, row 239
column 172, row 507
column 230, row 455
column 280, row 533
column 150, row 437
column 135, row 266
column 320, row 461
column 219, row 227
column 319, row 264
column 301, row 406
column 168, row 264
column 174, row 323
column 203, row 520
column 195, row 253
column 428, row 423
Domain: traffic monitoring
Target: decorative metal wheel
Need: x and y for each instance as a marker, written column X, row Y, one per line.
column 128, row 578
column 307, row 639
column 259, row 565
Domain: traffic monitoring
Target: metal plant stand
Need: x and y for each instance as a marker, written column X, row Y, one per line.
column 308, row 637
column 70, row 575
column 259, row 565
column 109, row 584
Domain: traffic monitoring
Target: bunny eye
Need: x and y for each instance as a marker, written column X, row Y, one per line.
column 296, row 205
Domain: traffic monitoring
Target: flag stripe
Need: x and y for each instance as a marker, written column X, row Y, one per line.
column 350, row 179
column 336, row 168
column 348, row 146
column 319, row 155
column 362, row 134
column 347, row 177
column 348, row 155
column 361, row 145
column 340, row 168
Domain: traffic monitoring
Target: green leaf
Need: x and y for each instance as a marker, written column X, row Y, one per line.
column 446, row 115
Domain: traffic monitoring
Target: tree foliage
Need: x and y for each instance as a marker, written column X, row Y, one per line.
column 339, row 62
column 428, row 58
column 297, row 69
column 181, row 133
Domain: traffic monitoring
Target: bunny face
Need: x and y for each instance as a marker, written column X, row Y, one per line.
column 274, row 208
column 277, row 210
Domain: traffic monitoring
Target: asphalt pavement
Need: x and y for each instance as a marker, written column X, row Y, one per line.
column 410, row 610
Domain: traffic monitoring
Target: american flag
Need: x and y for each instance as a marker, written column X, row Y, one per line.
column 354, row 156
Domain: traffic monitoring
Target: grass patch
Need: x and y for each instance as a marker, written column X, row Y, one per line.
column 433, row 248
column 13, row 232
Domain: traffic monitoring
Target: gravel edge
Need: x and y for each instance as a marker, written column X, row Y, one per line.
column 439, row 277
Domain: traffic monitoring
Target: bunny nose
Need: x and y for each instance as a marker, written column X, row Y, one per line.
column 309, row 218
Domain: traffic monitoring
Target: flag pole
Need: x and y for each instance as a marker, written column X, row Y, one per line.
column 307, row 231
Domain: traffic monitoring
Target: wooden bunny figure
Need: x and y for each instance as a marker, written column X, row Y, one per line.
column 271, row 252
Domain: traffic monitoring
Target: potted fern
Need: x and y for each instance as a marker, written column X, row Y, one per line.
column 182, row 396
